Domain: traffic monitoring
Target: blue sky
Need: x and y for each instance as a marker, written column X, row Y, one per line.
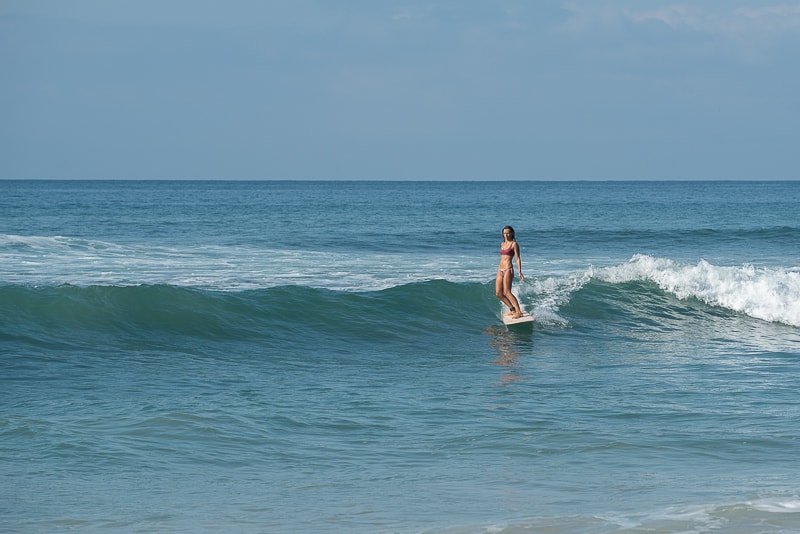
column 369, row 89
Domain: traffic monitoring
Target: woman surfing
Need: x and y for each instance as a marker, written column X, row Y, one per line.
column 509, row 248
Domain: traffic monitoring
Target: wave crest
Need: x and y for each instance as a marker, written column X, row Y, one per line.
column 768, row 294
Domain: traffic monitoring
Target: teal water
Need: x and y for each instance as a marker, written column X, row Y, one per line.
column 329, row 356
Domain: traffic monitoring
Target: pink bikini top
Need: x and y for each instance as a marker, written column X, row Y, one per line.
column 508, row 251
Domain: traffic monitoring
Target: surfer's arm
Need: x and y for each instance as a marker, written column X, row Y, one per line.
column 519, row 262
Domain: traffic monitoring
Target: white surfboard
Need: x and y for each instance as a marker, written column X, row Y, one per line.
column 526, row 317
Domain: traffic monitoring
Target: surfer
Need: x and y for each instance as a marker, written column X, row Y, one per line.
column 505, row 273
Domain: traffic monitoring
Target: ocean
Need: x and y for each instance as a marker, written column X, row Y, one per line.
column 230, row 356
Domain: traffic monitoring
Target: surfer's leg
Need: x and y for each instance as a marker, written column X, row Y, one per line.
column 508, row 278
column 499, row 290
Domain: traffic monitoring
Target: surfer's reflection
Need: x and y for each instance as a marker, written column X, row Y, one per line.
column 506, row 344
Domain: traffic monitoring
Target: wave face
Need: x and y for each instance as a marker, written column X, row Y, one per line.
column 644, row 289
column 53, row 315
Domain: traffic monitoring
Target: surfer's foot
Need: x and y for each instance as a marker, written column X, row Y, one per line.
column 516, row 315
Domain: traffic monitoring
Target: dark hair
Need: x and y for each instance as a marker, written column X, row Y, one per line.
column 513, row 234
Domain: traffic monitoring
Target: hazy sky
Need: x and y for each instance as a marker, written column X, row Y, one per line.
column 410, row 89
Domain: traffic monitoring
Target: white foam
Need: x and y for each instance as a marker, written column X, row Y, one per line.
column 777, row 505
column 691, row 518
column 550, row 293
column 36, row 260
column 767, row 294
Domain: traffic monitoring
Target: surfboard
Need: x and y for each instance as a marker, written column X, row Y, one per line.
column 525, row 318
